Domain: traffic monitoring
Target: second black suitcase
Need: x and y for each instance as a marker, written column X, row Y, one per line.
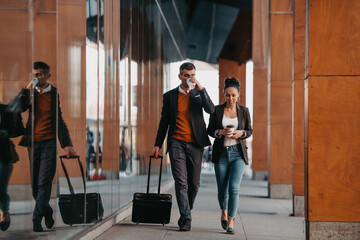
column 77, row 208
column 152, row 207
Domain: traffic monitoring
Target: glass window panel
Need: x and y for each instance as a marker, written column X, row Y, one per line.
column 16, row 58
column 92, row 96
column 114, row 78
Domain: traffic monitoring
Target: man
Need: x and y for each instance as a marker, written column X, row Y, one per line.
column 182, row 117
column 41, row 142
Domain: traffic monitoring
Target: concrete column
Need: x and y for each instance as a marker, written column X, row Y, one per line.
column 149, row 104
column 71, row 75
column 280, row 105
column 260, row 36
column 230, row 68
column 298, row 108
column 332, row 126
column 111, row 143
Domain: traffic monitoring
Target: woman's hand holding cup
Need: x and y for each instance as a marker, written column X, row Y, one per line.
column 229, row 130
column 237, row 134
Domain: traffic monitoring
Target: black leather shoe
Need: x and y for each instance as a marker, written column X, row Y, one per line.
column 49, row 221
column 186, row 226
column 230, row 230
column 37, row 226
column 224, row 224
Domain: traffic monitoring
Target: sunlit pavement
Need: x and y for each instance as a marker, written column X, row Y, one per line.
column 258, row 217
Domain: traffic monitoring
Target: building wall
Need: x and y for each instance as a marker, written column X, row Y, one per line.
column 333, row 111
column 260, row 39
column 326, row 96
column 298, row 86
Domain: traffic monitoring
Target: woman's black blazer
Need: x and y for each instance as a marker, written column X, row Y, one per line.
column 215, row 123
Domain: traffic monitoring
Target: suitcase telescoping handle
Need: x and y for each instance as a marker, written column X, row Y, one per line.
column 148, row 181
column 67, row 175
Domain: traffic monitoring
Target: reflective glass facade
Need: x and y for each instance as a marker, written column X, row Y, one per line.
column 110, row 61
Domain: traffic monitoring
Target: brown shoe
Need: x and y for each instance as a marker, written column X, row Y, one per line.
column 5, row 220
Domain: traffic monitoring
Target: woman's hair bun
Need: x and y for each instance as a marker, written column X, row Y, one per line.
column 232, row 82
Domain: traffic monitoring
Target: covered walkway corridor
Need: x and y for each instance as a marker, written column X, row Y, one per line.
column 111, row 61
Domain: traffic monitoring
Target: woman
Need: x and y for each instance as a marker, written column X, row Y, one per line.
column 10, row 126
column 230, row 124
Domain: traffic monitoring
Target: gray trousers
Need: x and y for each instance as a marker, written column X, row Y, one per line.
column 43, row 167
column 185, row 161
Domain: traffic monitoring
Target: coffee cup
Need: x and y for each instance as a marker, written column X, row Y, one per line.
column 231, row 127
column 35, row 81
column 190, row 84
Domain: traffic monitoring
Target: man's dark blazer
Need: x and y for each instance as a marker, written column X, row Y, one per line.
column 215, row 123
column 63, row 132
column 199, row 100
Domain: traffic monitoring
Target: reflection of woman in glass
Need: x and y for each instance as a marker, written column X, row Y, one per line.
column 229, row 150
column 123, row 153
column 91, row 155
column 93, row 174
column 90, row 150
column 10, row 126
column 100, row 174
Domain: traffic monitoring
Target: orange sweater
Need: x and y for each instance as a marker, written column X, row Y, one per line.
column 43, row 129
column 183, row 129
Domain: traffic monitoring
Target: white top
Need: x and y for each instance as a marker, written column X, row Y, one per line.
column 226, row 121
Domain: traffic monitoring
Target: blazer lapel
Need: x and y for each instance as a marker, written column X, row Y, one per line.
column 174, row 101
column 220, row 114
column 192, row 96
column 240, row 117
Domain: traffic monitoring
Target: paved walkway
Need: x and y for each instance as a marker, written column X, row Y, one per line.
column 258, row 218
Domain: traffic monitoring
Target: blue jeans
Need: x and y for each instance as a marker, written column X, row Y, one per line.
column 4, row 178
column 229, row 172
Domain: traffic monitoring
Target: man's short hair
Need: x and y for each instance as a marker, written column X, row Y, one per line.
column 187, row 66
column 43, row 66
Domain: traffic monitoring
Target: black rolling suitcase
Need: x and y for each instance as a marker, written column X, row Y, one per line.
column 78, row 208
column 152, row 207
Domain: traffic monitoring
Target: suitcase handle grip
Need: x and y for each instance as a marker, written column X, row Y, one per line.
column 148, row 181
column 67, row 175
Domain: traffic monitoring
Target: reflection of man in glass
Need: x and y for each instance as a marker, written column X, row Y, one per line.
column 42, row 153
column 182, row 119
